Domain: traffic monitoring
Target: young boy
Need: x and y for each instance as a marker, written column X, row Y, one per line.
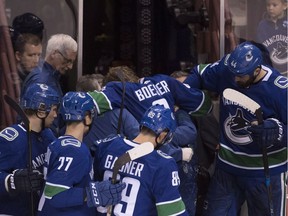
column 272, row 32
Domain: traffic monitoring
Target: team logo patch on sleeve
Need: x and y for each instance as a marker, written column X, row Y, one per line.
column 73, row 142
column 281, row 82
column 163, row 154
column 9, row 134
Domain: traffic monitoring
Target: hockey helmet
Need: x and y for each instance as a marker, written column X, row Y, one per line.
column 28, row 23
column 158, row 119
column 244, row 59
column 75, row 105
column 39, row 96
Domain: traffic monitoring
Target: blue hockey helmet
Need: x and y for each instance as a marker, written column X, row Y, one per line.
column 75, row 106
column 244, row 59
column 39, row 96
column 159, row 119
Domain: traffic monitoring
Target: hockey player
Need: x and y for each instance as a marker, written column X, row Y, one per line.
column 108, row 122
column 68, row 166
column 157, row 89
column 240, row 174
column 152, row 180
column 40, row 103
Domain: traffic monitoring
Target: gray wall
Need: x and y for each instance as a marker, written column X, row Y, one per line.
column 56, row 14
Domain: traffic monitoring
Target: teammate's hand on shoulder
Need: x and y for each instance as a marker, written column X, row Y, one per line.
column 23, row 181
column 267, row 134
column 104, row 193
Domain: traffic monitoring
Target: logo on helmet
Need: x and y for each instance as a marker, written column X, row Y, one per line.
column 151, row 114
column 249, row 56
column 43, row 86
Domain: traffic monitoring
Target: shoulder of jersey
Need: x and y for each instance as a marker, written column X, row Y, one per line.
column 281, row 82
column 68, row 141
column 12, row 132
column 107, row 139
column 163, row 155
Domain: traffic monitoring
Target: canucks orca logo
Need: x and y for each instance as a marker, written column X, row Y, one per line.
column 235, row 129
column 279, row 54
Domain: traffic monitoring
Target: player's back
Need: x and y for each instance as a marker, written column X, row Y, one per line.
column 151, row 181
column 159, row 89
column 69, row 170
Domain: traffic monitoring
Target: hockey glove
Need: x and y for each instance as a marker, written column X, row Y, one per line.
column 267, row 134
column 187, row 154
column 104, row 193
column 21, row 180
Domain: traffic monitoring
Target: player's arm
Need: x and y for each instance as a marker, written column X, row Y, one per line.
column 192, row 100
column 273, row 131
column 184, row 138
column 168, row 199
column 14, row 177
column 184, row 126
column 102, row 102
column 130, row 125
column 207, row 76
column 64, row 187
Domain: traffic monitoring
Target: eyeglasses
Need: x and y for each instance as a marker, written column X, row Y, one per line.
column 67, row 61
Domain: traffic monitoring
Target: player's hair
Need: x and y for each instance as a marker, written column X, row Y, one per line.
column 88, row 82
column 178, row 74
column 128, row 75
column 25, row 38
column 61, row 42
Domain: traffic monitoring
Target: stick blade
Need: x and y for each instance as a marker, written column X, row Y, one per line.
column 132, row 154
column 241, row 99
column 141, row 150
column 245, row 102
column 16, row 107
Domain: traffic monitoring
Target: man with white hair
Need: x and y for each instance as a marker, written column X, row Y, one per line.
column 61, row 52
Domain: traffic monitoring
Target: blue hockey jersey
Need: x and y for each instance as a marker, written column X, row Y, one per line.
column 158, row 89
column 152, row 181
column 14, row 155
column 68, row 170
column 239, row 154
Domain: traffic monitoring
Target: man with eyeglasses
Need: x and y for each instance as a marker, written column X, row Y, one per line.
column 61, row 52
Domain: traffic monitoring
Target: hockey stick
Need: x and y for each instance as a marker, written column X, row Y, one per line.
column 14, row 105
column 247, row 103
column 134, row 153
column 121, row 77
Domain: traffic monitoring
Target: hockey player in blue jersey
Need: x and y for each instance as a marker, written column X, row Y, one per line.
column 40, row 103
column 240, row 174
column 111, row 122
column 157, row 89
column 68, row 166
column 152, row 181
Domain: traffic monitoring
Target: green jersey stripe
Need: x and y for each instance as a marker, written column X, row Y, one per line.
column 251, row 162
column 51, row 190
column 102, row 102
column 170, row 208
